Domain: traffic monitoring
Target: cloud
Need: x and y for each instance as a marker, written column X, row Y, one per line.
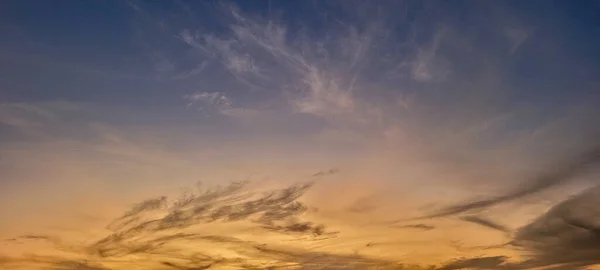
column 260, row 55
column 495, row 262
column 49, row 262
column 424, row 227
column 427, row 67
column 554, row 175
column 162, row 64
column 74, row 265
column 237, row 63
column 221, row 104
column 517, row 37
column 209, row 100
column 192, row 72
column 22, row 115
column 485, row 223
column 318, row 260
column 355, row 74
column 159, row 228
column 325, row 173
column 568, row 235
column 29, row 117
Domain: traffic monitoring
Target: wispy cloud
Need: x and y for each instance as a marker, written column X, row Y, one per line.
column 27, row 117
column 260, row 54
column 192, row 72
column 209, row 100
column 428, row 67
column 517, row 37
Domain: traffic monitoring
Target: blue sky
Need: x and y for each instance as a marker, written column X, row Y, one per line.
column 108, row 52
column 469, row 114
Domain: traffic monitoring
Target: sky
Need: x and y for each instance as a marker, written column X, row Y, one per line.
column 263, row 134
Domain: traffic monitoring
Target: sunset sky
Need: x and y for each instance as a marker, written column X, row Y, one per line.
column 265, row 134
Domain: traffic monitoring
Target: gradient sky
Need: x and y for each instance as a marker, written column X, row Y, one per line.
column 299, row 134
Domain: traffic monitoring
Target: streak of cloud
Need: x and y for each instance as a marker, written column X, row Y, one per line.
column 485, row 223
column 477, row 263
column 325, row 173
column 424, row 227
column 568, row 235
column 554, row 176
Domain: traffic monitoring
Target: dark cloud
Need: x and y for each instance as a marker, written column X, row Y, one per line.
column 48, row 262
column 424, row 227
column 51, row 239
column 318, row 260
column 75, row 265
column 299, row 227
column 325, row 173
column 553, row 176
column 568, row 235
column 497, row 262
column 485, row 223
column 36, row 237
column 174, row 265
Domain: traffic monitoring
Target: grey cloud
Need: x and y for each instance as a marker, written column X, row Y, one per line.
column 49, row 262
column 325, row 173
column 553, row 176
column 424, row 227
column 496, row 262
column 51, row 239
column 565, row 237
column 148, row 205
column 75, row 265
column 42, row 237
column 568, row 235
column 485, row 223
column 176, row 266
column 299, row 227
column 317, row 260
